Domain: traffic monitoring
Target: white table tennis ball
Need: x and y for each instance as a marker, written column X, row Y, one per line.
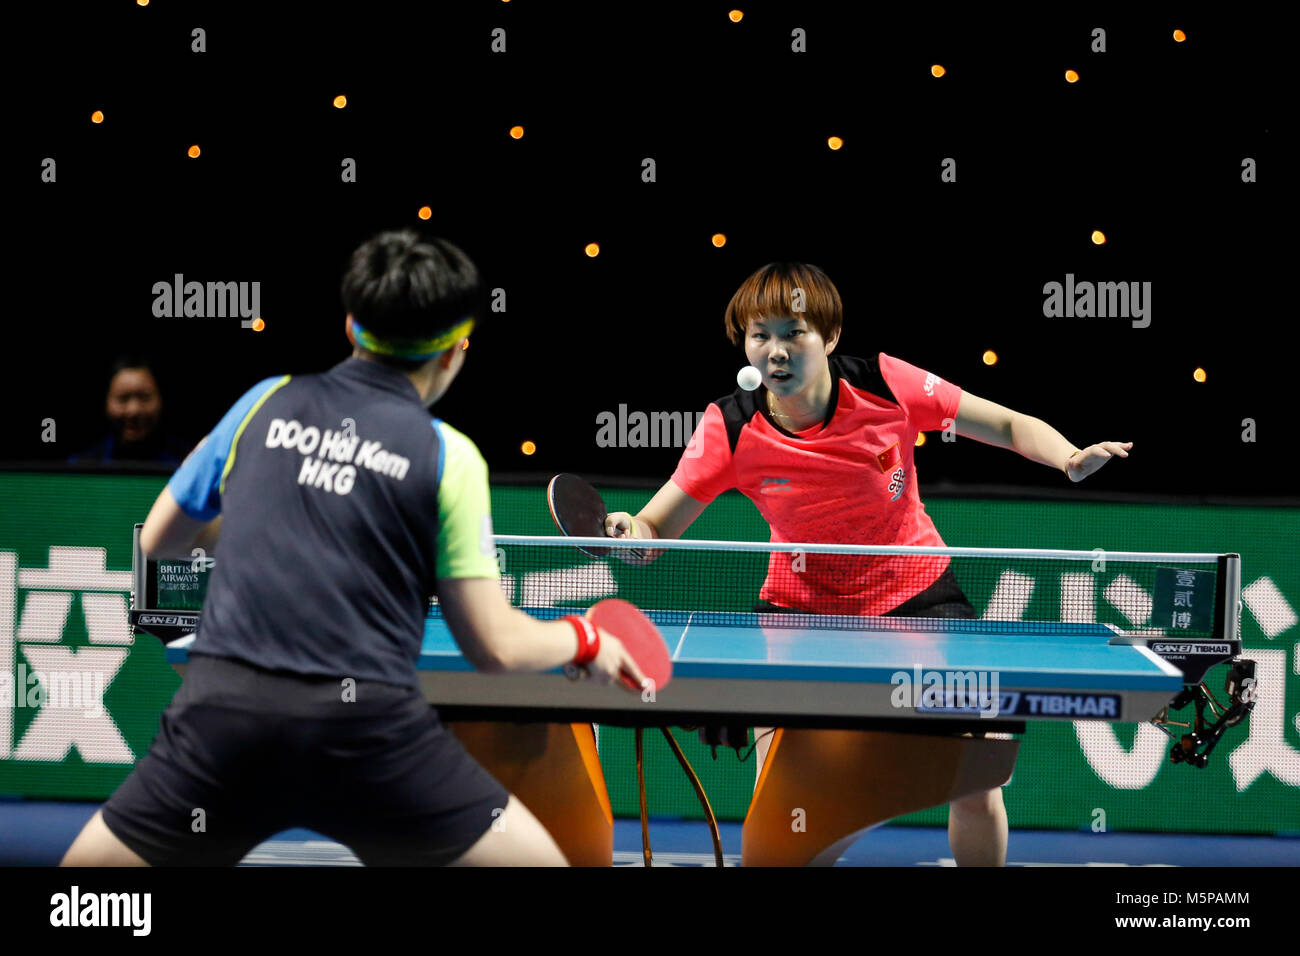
column 749, row 378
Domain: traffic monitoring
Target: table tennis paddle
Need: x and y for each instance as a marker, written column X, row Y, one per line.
column 639, row 635
column 579, row 512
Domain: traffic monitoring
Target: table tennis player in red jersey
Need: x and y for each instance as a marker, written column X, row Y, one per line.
column 824, row 449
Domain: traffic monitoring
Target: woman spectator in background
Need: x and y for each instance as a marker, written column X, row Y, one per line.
column 133, row 407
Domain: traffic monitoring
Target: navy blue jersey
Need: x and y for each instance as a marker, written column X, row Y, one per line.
column 342, row 503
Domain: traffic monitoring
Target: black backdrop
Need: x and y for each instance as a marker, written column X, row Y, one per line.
column 1147, row 147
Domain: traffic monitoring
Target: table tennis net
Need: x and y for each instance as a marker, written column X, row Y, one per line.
column 1148, row 593
column 843, row 587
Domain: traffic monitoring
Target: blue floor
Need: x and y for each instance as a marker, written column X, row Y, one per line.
column 38, row 833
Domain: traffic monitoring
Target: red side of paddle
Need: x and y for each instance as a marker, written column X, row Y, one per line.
column 639, row 635
column 577, row 510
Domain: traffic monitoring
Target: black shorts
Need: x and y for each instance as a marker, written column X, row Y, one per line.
column 243, row 753
column 943, row 598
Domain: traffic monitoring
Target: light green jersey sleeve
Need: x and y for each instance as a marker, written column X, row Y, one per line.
column 466, row 547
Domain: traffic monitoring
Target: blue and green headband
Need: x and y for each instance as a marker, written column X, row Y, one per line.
column 411, row 348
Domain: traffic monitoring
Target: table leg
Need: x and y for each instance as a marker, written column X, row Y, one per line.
column 820, row 789
column 555, row 771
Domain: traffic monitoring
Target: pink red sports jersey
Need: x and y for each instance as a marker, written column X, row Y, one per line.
column 849, row 480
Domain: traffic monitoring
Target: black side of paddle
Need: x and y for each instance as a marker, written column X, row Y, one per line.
column 577, row 510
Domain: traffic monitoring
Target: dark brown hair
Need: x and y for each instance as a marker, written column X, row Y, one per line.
column 769, row 293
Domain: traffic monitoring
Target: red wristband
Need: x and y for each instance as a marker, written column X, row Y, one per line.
column 588, row 640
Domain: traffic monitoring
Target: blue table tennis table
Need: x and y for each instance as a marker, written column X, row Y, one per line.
column 798, row 670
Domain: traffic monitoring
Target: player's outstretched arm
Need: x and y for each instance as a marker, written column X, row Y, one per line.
column 497, row 638
column 1032, row 438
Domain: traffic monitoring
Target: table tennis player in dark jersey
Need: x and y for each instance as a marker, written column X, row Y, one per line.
column 341, row 505
column 824, row 449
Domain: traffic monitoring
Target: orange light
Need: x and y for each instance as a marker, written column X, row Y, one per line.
column 990, row 357
column 920, row 439
column 1098, row 237
column 835, row 142
column 1071, row 76
column 464, row 345
column 528, row 448
column 937, row 71
column 97, row 116
column 258, row 325
column 193, row 152
column 340, row 101
column 142, row 3
column 516, row 132
column 1179, row 36
column 1199, row 375
column 425, row 212
column 735, row 16
column 719, row 240
column 592, row 249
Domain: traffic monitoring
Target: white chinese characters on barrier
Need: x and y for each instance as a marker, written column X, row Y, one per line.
column 65, row 685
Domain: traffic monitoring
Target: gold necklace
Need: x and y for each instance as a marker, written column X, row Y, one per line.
column 772, row 408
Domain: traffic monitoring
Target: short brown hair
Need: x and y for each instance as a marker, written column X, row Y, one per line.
column 769, row 293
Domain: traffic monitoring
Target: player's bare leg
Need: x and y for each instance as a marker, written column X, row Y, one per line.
column 762, row 743
column 516, row 838
column 977, row 829
column 96, row 846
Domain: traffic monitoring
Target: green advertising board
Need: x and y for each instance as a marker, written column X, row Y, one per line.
column 64, row 580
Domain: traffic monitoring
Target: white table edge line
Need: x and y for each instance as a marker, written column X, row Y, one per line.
column 682, row 638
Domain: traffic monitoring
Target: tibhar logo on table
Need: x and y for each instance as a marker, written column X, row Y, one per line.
column 75, row 909
column 962, row 692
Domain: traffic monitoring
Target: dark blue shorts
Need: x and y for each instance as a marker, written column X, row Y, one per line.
column 242, row 754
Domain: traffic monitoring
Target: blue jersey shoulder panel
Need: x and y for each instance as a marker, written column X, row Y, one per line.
column 196, row 485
